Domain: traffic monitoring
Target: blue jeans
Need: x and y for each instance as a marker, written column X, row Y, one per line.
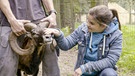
column 105, row 72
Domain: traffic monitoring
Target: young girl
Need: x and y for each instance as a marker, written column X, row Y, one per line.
column 99, row 43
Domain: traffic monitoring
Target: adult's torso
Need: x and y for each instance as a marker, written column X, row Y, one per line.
column 25, row 9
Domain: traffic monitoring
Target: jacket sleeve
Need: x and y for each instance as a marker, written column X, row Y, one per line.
column 108, row 62
column 66, row 43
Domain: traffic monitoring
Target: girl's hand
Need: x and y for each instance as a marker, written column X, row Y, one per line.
column 78, row 72
column 52, row 31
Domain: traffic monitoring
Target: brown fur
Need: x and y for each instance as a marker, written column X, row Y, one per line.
column 29, row 63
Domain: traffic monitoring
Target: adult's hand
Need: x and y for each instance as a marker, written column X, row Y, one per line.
column 52, row 19
column 17, row 26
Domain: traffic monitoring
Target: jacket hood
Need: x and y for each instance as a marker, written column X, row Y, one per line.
column 114, row 25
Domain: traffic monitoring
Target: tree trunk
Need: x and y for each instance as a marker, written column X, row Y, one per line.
column 62, row 12
column 57, row 8
column 72, row 17
column 102, row 2
column 67, row 14
column 93, row 3
column 98, row 2
column 130, row 8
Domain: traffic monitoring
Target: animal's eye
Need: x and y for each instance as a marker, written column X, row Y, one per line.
column 34, row 32
column 35, row 36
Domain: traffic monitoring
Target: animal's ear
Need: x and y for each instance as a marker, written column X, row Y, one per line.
column 54, row 47
column 44, row 24
column 54, row 43
column 29, row 26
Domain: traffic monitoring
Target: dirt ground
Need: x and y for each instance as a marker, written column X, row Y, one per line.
column 66, row 62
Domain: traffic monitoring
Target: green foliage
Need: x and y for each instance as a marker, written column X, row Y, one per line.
column 77, row 24
column 127, row 59
column 66, row 31
column 81, row 6
column 76, row 6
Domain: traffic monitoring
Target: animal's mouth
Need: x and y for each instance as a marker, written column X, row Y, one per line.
column 48, row 41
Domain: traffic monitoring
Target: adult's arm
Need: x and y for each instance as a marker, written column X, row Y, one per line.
column 52, row 14
column 16, row 25
column 5, row 8
column 48, row 4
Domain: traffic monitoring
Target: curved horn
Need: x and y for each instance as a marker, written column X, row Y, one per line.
column 16, row 48
column 44, row 24
column 29, row 26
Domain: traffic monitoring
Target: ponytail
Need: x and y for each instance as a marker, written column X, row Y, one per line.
column 115, row 14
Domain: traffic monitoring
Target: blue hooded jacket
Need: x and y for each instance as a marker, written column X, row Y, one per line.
column 95, row 38
column 106, row 52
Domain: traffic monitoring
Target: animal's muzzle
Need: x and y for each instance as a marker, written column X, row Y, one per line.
column 47, row 39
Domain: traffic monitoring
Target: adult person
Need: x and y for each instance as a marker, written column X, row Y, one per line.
column 99, row 43
column 13, row 15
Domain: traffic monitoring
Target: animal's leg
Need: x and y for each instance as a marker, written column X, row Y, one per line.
column 19, row 72
column 25, row 74
column 36, row 73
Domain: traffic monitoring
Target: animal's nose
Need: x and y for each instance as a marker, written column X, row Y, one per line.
column 47, row 38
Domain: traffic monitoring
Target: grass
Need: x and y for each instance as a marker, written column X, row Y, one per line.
column 127, row 59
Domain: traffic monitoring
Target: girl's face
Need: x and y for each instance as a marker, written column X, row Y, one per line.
column 94, row 26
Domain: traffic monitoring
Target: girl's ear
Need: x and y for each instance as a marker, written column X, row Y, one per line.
column 103, row 25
